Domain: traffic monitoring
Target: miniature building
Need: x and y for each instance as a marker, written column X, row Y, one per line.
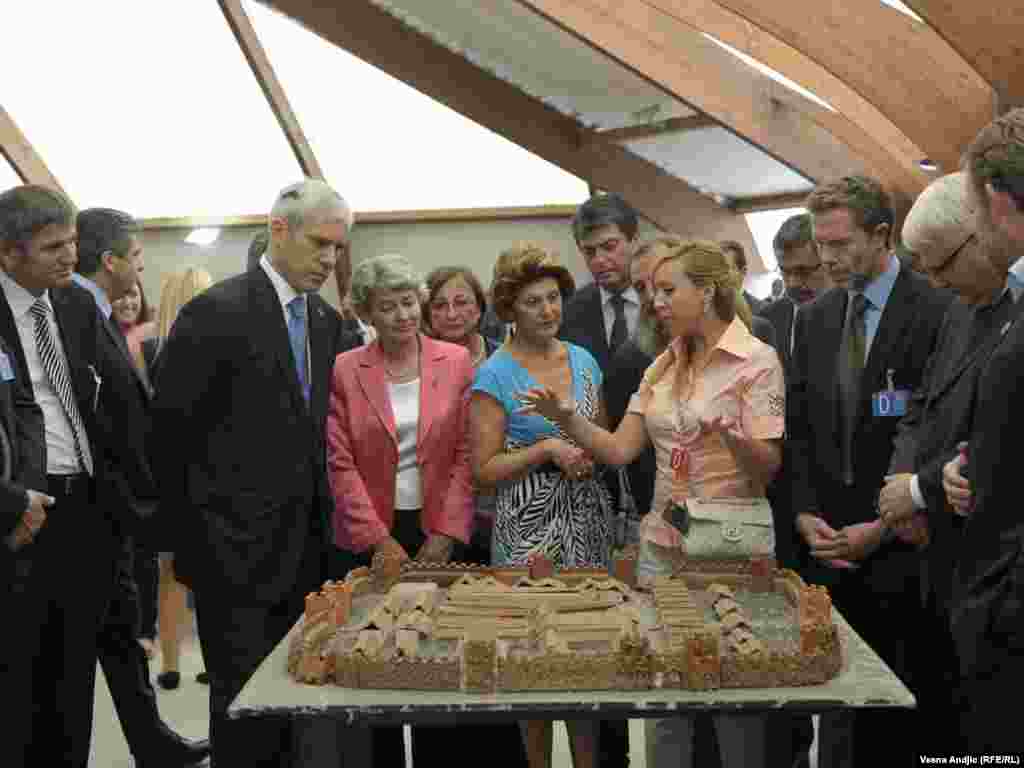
column 340, row 595
column 541, row 567
column 479, row 652
column 815, row 606
column 624, row 568
column 762, row 572
column 386, row 570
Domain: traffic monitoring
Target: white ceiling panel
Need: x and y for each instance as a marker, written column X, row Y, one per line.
column 8, row 177
column 717, row 162
column 528, row 51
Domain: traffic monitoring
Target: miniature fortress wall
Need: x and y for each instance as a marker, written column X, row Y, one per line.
column 521, row 629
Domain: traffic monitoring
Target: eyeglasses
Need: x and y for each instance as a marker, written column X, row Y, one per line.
column 605, row 246
column 802, row 274
column 933, row 271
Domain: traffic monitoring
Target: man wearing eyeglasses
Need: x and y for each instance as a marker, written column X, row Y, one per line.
column 987, row 606
column 940, row 233
column 804, row 279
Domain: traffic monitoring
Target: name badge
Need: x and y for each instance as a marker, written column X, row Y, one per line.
column 890, row 402
column 6, row 371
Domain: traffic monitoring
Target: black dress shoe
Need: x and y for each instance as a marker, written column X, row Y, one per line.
column 178, row 753
column 203, row 678
column 169, row 680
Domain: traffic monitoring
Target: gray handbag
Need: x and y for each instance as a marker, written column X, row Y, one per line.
column 729, row 529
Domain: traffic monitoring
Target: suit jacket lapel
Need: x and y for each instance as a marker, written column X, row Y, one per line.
column 370, row 372
column 275, row 332
column 9, row 330
column 899, row 311
column 433, row 369
column 322, row 361
column 832, row 328
column 119, row 341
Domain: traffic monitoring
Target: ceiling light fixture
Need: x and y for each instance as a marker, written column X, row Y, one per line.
column 203, row 236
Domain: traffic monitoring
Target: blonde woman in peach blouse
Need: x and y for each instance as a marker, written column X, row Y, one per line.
column 713, row 407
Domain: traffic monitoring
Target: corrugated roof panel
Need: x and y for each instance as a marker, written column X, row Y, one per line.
column 540, row 58
column 717, row 162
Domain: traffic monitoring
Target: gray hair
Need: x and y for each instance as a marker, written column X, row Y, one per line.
column 941, row 217
column 382, row 273
column 27, row 210
column 297, row 202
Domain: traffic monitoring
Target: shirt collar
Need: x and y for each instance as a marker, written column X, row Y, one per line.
column 285, row 292
column 1015, row 279
column 878, row 290
column 736, row 341
column 629, row 295
column 97, row 293
column 21, row 301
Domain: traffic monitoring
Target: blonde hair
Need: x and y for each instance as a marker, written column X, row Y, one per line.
column 704, row 262
column 179, row 289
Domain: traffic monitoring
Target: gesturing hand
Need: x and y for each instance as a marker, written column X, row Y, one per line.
column 546, row 403
column 721, row 423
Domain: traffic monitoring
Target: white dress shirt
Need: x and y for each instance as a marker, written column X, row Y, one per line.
column 61, row 458
column 285, row 294
column 631, row 308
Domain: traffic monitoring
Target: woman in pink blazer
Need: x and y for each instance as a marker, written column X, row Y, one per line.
column 397, row 427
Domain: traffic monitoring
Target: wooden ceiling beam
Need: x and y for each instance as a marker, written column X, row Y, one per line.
column 259, row 63
column 768, row 202
column 890, row 144
column 901, row 66
column 987, row 35
column 22, row 156
column 657, row 128
column 808, row 137
column 380, row 39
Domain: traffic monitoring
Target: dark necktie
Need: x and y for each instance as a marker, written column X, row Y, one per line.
column 619, row 328
column 851, row 368
column 297, row 337
column 56, row 369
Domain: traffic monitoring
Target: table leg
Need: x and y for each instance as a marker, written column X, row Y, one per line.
column 835, row 739
column 323, row 743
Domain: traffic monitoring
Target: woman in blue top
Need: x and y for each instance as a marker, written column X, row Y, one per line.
column 548, row 500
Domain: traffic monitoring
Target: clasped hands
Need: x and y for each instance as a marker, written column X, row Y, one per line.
column 571, row 459
column 842, row 548
column 31, row 521
column 436, row 549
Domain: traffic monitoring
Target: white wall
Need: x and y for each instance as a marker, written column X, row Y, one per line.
column 427, row 245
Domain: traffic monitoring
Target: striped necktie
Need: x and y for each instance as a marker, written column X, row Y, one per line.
column 57, row 372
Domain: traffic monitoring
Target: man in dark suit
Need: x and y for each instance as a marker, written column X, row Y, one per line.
column 601, row 316
column 804, row 277
column 873, row 332
column 239, row 450
column 95, row 470
column 941, row 233
column 109, row 264
column 988, row 588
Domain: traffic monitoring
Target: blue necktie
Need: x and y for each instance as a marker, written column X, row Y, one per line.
column 297, row 336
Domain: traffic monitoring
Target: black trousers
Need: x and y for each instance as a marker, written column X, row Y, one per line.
column 64, row 583
column 146, row 568
column 236, row 634
column 126, row 669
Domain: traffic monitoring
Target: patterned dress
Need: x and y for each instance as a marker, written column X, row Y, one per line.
column 545, row 511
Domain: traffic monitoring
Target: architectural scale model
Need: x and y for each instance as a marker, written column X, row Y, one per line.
column 424, row 626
